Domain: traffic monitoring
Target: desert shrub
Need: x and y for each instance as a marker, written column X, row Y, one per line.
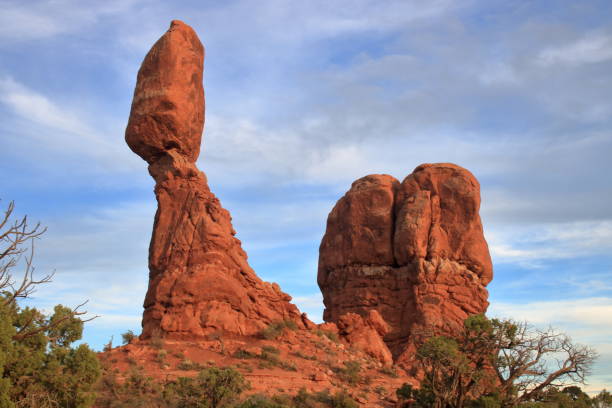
column 156, row 341
column 405, row 392
column 380, row 390
column 243, row 354
column 422, row 397
column 37, row 360
column 486, row 401
column 351, row 372
column 213, row 388
column 390, row 371
column 188, row 365
column 38, row 364
column 342, row 399
column 329, row 334
column 304, row 399
column 268, row 358
column 270, row 350
column 161, row 356
column 137, row 391
column 128, row 336
column 108, row 346
column 276, row 329
column 304, row 356
column 262, row 401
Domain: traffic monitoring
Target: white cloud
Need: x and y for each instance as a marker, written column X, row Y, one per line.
column 592, row 48
column 526, row 244
column 38, row 108
column 594, row 313
column 52, row 126
column 40, row 19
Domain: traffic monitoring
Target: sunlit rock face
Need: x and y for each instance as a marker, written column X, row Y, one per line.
column 412, row 251
column 199, row 278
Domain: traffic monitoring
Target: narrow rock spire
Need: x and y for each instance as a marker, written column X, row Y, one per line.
column 199, row 278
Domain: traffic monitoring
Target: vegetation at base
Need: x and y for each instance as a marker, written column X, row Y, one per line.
column 128, row 337
column 268, row 357
column 304, row 356
column 351, row 372
column 525, row 367
column 274, row 330
column 329, row 334
column 303, row 399
column 389, row 371
column 188, row 365
column 156, row 341
column 38, row 365
column 212, row 388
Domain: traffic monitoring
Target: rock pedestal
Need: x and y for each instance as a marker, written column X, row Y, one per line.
column 200, row 281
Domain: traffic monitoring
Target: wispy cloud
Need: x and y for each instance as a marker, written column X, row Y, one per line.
column 40, row 19
column 50, row 126
column 527, row 244
column 592, row 48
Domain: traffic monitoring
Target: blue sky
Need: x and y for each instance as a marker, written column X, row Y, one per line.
column 302, row 99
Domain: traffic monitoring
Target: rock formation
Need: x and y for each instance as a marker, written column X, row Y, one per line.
column 200, row 280
column 412, row 251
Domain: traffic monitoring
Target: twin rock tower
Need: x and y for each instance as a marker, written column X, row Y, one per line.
column 398, row 259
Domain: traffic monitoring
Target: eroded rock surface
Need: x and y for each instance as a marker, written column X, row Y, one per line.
column 200, row 281
column 412, row 251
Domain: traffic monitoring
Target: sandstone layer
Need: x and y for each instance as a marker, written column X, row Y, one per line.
column 413, row 251
column 199, row 278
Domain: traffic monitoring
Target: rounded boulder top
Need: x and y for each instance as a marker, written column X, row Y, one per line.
column 168, row 106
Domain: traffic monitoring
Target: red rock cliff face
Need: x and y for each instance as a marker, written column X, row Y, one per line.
column 200, row 280
column 413, row 251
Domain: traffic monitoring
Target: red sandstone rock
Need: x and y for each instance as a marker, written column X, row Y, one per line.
column 366, row 333
column 437, row 217
column 200, row 280
column 367, row 239
column 414, row 252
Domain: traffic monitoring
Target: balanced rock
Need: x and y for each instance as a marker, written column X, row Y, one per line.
column 199, row 278
column 412, row 251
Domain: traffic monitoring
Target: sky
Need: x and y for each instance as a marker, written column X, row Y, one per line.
column 302, row 98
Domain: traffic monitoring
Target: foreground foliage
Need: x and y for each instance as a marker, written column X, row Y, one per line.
column 213, row 387
column 520, row 363
column 38, row 366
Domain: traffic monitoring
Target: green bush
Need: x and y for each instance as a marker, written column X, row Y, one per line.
column 304, row 356
column 390, row 371
column 329, row 334
column 188, row 365
column 137, row 391
column 38, row 366
column 341, row 399
column 276, row 329
column 37, row 361
column 128, row 336
column 351, row 372
column 262, row 401
column 269, row 357
column 156, row 341
column 212, row 388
